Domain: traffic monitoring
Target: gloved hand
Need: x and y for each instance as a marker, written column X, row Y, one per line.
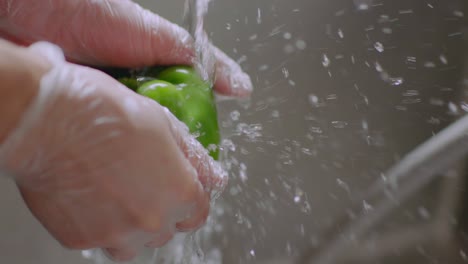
column 98, row 165
column 102, row 167
column 116, row 33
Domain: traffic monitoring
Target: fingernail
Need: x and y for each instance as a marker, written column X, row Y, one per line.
column 239, row 82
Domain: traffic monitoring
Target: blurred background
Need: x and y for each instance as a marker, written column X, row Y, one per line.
column 343, row 90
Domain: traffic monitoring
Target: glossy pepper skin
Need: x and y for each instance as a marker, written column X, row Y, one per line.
column 186, row 95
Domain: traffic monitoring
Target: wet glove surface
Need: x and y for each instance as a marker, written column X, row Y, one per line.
column 186, row 95
column 120, row 170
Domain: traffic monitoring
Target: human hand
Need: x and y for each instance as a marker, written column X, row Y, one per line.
column 112, row 33
column 103, row 167
column 98, row 165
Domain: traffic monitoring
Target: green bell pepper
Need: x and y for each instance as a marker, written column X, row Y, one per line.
column 187, row 96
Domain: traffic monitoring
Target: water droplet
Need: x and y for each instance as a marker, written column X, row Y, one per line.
column 301, row 44
column 340, row 33
column 443, row 59
column 305, row 208
column 396, row 81
column 343, row 185
column 458, row 13
column 367, row 207
column 363, row 7
column 404, row 12
column 263, row 67
column 285, row 72
column 235, row 115
column 288, row 248
column 252, row 132
column 378, row 67
column 313, row 99
column 308, row 152
column 252, row 253
column 297, row 199
column 463, row 255
column 365, row 125
column 242, row 59
column 379, row 47
column 340, row 12
column 453, row 108
column 287, row 35
column 275, row 114
column 243, row 172
column 464, row 106
column 410, row 93
column 411, row 59
column 288, row 49
column 387, row 30
column 316, row 130
column 259, row 16
column 229, row 145
column 212, row 147
column 339, row 124
column 325, row 61
column 234, row 191
column 253, row 37
column 454, row 34
column 302, row 230
column 433, row 121
column 369, row 28
column 424, row 213
column 429, row 64
column 228, row 26
column 240, row 218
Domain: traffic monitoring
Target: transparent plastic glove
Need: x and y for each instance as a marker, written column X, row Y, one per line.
column 103, row 167
column 112, row 33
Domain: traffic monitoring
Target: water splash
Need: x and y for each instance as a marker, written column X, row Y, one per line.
column 194, row 14
column 325, row 61
column 379, row 47
column 386, row 77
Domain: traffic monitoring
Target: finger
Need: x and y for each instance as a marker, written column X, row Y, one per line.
column 120, row 254
column 186, row 195
column 116, row 33
column 210, row 173
column 108, row 32
column 160, row 240
column 197, row 219
column 230, row 79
